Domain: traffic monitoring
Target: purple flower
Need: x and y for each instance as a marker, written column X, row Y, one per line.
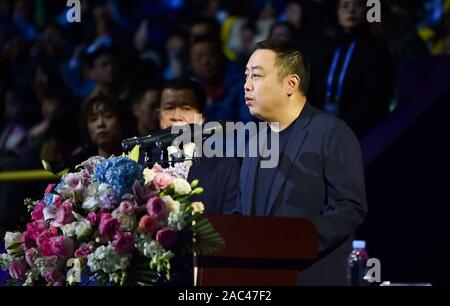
column 108, row 225
column 126, row 207
column 55, row 277
column 27, row 241
column 30, row 256
column 18, row 269
column 123, row 243
column 166, row 237
column 83, row 251
column 156, row 208
column 92, row 218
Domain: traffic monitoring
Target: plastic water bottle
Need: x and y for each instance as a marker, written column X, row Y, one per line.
column 357, row 264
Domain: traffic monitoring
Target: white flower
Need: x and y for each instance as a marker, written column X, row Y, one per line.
column 175, row 220
column 172, row 206
column 182, row 187
column 83, row 228
column 127, row 222
column 198, row 207
column 13, row 242
column 148, row 175
column 107, row 260
column 5, row 259
column 69, row 229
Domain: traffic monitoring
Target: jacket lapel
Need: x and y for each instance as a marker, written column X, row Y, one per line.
column 290, row 154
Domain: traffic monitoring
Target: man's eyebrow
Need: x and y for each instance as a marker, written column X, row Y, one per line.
column 254, row 68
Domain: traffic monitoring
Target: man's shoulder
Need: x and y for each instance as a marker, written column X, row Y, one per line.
column 325, row 123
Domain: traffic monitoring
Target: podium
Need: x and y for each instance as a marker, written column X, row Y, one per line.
column 259, row 251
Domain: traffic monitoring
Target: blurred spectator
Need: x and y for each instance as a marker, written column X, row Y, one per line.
column 248, row 34
column 283, row 30
column 13, row 137
column 14, row 64
column 355, row 81
column 107, row 122
column 177, row 56
column 204, row 27
column 52, row 103
column 106, row 71
column 221, row 80
column 398, row 29
column 144, row 109
column 182, row 102
column 437, row 37
column 22, row 18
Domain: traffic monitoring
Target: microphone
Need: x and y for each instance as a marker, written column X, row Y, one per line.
column 174, row 135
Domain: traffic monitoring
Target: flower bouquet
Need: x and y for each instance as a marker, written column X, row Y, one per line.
column 110, row 223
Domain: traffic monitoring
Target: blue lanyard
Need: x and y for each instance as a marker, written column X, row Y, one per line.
column 348, row 57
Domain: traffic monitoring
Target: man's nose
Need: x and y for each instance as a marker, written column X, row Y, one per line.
column 176, row 115
column 248, row 86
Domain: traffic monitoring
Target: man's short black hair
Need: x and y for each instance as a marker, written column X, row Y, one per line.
column 289, row 60
column 188, row 84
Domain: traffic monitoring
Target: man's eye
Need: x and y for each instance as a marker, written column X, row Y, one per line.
column 255, row 76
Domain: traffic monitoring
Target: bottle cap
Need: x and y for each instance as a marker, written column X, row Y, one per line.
column 359, row 244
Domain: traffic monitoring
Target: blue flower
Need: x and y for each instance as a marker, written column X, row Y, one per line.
column 119, row 172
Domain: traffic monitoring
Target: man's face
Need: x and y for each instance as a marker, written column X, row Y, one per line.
column 145, row 109
column 263, row 87
column 104, row 126
column 177, row 107
column 205, row 60
column 105, row 70
column 351, row 14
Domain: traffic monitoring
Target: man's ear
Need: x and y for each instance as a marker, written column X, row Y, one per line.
column 293, row 84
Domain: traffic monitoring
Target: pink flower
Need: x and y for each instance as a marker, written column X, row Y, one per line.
column 123, row 243
column 35, row 228
column 148, row 225
column 92, row 218
column 126, row 207
column 162, row 180
column 55, row 277
column 30, row 255
column 108, row 225
column 38, row 213
column 64, row 213
column 83, row 251
column 18, row 269
column 157, row 168
column 71, row 179
column 57, row 201
column 156, row 208
column 166, row 237
column 43, row 242
column 28, row 242
column 49, row 188
column 61, row 246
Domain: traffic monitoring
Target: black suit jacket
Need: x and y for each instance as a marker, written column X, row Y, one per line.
column 219, row 178
column 320, row 177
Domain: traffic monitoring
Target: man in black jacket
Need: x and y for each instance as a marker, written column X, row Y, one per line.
column 320, row 171
column 181, row 101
